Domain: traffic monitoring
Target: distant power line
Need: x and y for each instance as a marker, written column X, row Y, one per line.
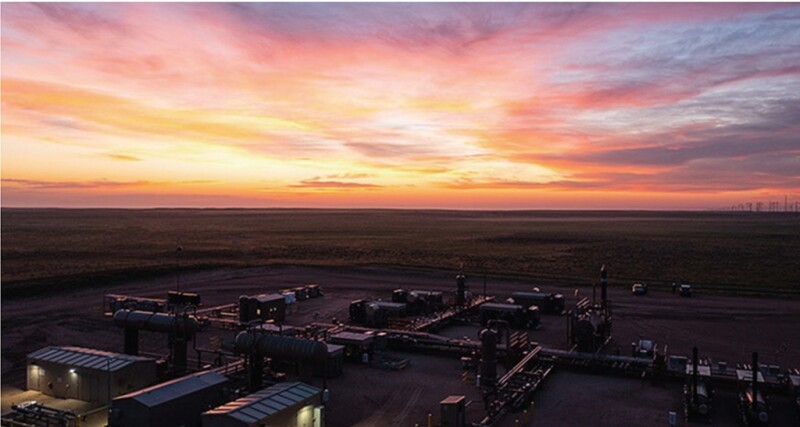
column 768, row 206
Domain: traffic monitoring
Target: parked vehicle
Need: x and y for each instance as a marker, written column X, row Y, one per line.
column 639, row 289
column 686, row 290
column 644, row 349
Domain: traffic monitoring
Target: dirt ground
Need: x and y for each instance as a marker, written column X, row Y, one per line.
column 724, row 328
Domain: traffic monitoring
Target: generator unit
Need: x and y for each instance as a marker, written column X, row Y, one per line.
column 304, row 292
column 113, row 302
column 177, row 299
column 462, row 293
column 793, row 381
column 453, row 411
column 419, row 302
column 375, row 314
column 698, row 391
column 589, row 331
column 589, row 323
column 754, row 408
column 358, row 311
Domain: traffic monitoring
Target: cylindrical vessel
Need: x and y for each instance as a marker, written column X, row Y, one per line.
column 155, row 322
column 488, row 356
column 281, row 347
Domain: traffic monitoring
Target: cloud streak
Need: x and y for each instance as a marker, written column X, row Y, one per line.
column 320, row 183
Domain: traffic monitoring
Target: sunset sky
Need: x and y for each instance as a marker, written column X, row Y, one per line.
column 491, row 106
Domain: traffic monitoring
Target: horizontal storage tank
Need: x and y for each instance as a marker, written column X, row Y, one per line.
column 281, row 347
column 155, row 322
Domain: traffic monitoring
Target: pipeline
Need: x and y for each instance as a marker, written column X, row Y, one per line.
column 179, row 328
column 695, row 361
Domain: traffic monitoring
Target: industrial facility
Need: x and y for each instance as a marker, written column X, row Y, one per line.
column 88, row 374
column 176, row 402
column 247, row 363
column 287, row 404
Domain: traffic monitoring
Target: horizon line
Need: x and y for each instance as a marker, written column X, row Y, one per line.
column 153, row 208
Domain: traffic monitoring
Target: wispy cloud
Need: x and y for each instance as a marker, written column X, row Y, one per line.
column 469, row 184
column 321, row 183
column 32, row 184
column 72, row 185
column 123, row 157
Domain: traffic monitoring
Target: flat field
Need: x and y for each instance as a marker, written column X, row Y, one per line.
column 722, row 252
column 46, row 250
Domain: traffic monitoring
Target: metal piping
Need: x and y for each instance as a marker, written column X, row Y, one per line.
column 755, row 380
column 694, row 374
column 603, row 286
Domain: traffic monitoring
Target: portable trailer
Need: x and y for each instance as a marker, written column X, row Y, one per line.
column 375, row 313
column 313, row 290
column 548, row 302
column 289, row 298
column 273, row 329
column 114, row 302
column 356, row 345
column 177, row 299
column 417, row 301
column 301, row 293
column 516, row 315
column 262, row 307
